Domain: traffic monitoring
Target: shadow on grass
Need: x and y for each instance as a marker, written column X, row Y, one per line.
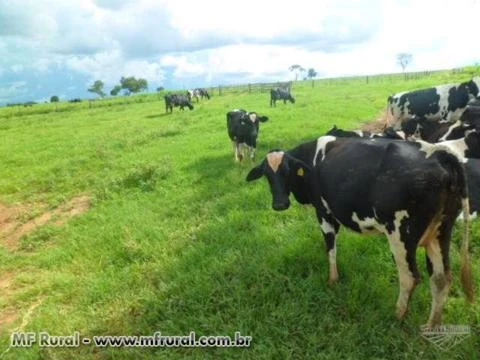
column 156, row 116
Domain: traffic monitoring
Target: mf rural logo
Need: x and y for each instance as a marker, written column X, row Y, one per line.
column 446, row 336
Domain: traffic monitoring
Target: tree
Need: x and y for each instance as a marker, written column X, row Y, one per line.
column 132, row 85
column 160, row 88
column 298, row 69
column 54, row 98
column 311, row 73
column 97, row 88
column 404, row 59
column 116, row 89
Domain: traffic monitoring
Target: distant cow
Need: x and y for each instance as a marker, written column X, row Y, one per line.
column 441, row 103
column 198, row 93
column 280, row 94
column 243, row 128
column 174, row 100
column 412, row 192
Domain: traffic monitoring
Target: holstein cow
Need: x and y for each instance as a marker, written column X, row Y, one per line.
column 243, row 128
column 471, row 115
column 280, row 94
column 198, row 93
column 434, row 131
column 174, row 100
column 410, row 191
column 441, row 103
column 466, row 147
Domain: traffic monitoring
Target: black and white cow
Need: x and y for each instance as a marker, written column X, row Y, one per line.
column 411, row 192
column 243, row 128
column 174, row 100
column 440, row 103
column 388, row 133
column 434, row 131
column 280, row 94
column 198, row 93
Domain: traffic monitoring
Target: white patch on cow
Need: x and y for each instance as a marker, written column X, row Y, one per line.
column 327, row 227
column 274, row 159
column 401, row 134
column 358, row 132
column 406, row 279
column 454, row 147
column 450, row 129
column 252, row 117
column 322, row 142
column 325, row 204
column 367, row 224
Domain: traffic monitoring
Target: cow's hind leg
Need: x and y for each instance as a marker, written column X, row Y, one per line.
column 403, row 248
column 438, row 267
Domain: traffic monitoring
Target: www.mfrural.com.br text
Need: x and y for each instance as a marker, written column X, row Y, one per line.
column 45, row 339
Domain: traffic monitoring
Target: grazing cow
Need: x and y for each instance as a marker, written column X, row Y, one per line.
column 174, row 100
column 280, row 94
column 410, row 191
column 243, row 128
column 434, row 131
column 198, row 93
column 389, row 133
column 440, row 103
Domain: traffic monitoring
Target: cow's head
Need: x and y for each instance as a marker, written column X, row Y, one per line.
column 285, row 175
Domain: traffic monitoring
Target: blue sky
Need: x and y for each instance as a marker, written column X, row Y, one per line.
column 58, row 47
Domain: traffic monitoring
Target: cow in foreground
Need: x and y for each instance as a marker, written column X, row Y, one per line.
column 280, row 94
column 243, row 128
column 444, row 103
column 410, row 191
column 177, row 100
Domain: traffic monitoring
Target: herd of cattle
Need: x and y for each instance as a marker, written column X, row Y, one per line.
column 410, row 182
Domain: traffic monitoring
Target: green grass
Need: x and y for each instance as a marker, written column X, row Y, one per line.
column 176, row 240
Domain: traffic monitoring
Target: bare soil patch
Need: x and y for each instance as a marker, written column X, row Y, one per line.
column 12, row 228
column 376, row 125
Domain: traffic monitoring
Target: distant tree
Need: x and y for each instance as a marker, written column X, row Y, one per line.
column 160, row 88
column 97, row 88
column 311, row 73
column 404, row 59
column 298, row 69
column 54, row 98
column 116, row 89
column 132, row 85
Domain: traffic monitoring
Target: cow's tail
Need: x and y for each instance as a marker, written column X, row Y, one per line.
column 460, row 189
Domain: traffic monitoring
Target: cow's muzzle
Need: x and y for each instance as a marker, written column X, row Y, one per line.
column 281, row 205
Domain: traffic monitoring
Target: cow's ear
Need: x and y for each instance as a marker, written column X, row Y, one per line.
column 298, row 167
column 263, row 118
column 255, row 173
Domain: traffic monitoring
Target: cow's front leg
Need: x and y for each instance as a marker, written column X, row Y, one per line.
column 330, row 228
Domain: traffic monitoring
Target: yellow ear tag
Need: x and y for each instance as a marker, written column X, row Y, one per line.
column 300, row 172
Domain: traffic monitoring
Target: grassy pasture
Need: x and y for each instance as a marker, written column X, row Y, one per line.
column 176, row 241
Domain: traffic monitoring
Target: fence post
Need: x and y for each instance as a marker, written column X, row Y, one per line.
column 367, row 79
column 219, row 90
